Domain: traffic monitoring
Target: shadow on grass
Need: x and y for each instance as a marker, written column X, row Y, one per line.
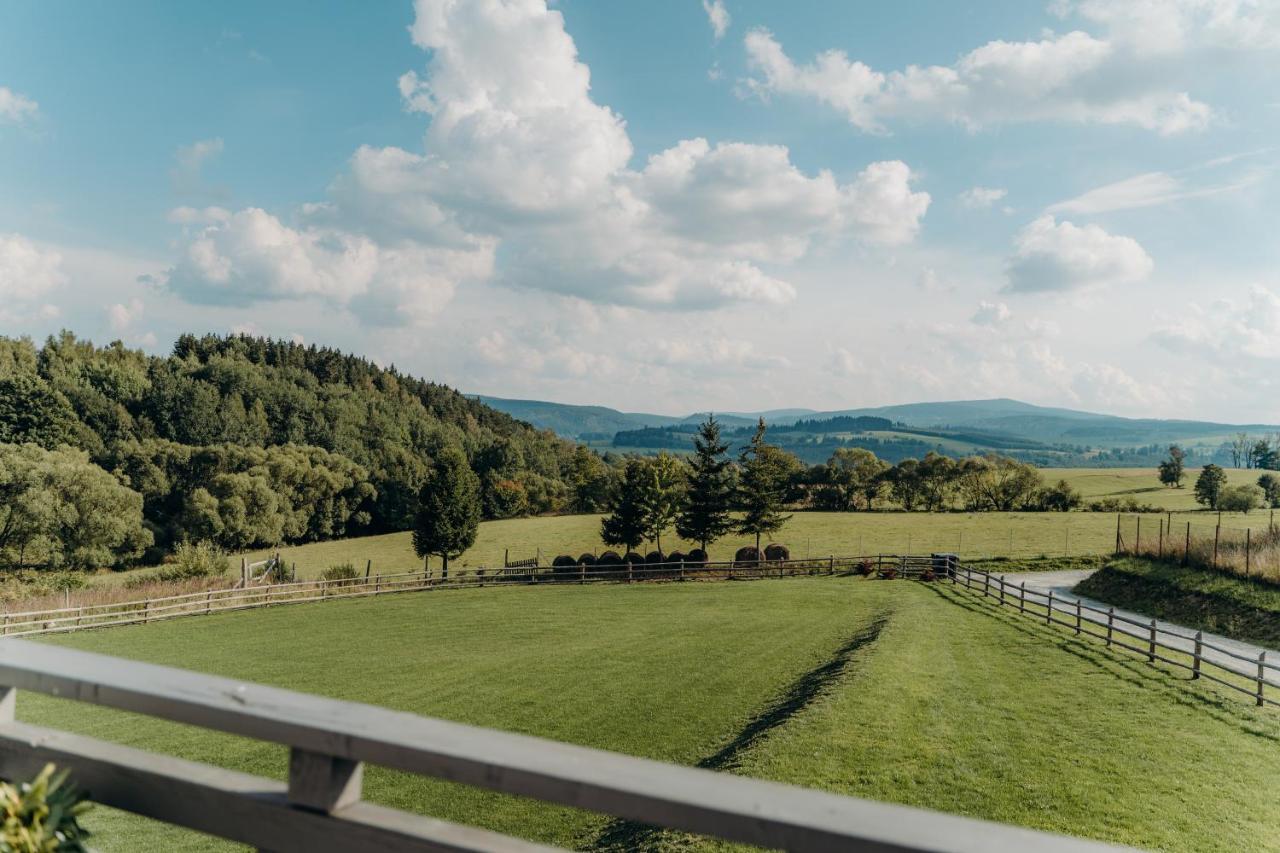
column 621, row 835
column 1119, row 664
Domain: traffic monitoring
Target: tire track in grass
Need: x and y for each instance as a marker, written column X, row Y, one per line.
column 625, row 835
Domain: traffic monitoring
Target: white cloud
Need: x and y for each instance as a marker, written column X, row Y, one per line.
column 15, row 107
column 981, row 198
column 198, row 216
column 1061, row 256
column 1231, row 333
column 1171, row 26
column 27, row 272
column 1149, row 190
column 1067, row 78
column 189, row 162
column 121, row 317
column 717, row 16
column 991, row 314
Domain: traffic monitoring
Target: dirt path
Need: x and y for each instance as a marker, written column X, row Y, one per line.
column 1183, row 638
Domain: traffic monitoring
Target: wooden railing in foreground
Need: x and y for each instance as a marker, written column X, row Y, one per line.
column 320, row 808
column 66, row 619
column 1155, row 642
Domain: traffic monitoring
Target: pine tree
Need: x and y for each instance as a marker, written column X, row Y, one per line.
column 448, row 513
column 706, row 510
column 625, row 524
column 663, row 495
column 762, row 487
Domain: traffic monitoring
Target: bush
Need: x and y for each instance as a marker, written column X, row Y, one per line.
column 1128, row 503
column 1240, row 498
column 777, row 552
column 345, row 574
column 42, row 815
column 190, row 560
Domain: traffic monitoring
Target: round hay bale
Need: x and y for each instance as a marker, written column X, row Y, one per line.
column 777, row 552
column 677, row 557
column 564, row 564
column 609, row 558
column 748, row 555
column 697, row 557
column 587, row 560
column 633, row 557
column 654, row 557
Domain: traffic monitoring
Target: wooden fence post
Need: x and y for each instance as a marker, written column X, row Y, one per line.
column 1078, row 615
column 1160, row 548
column 1137, row 539
column 1186, row 548
column 1002, row 590
column 1217, row 532
column 1248, row 545
column 368, row 565
column 582, row 573
column 1117, row 534
column 1151, row 651
column 146, row 611
column 1111, row 622
column 208, row 602
column 831, row 564
column 1022, row 597
column 1195, row 655
column 1048, row 613
column 986, row 584
column 1262, row 663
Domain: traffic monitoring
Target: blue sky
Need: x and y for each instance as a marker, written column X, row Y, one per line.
column 816, row 204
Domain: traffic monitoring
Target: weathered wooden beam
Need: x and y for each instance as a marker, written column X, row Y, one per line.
column 231, row 805
column 322, row 782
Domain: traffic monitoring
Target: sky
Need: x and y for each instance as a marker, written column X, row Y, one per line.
column 668, row 206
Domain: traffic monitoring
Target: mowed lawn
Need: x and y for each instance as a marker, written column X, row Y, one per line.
column 951, row 705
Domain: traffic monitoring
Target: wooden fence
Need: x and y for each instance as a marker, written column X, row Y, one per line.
column 1190, row 651
column 65, row 619
column 1247, row 552
column 320, row 807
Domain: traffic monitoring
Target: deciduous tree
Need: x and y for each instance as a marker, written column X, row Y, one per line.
column 448, row 509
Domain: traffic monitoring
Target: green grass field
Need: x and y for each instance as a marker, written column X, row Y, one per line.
column 899, row 691
column 1141, row 484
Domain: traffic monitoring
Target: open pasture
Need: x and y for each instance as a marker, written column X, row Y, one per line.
column 898, row 691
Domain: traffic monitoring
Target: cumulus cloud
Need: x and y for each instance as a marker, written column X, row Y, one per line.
column 1230, row 332
column 981, row 198
column 16, row 108
column 1067, row 78
column 717, row 16
column 1061, row 256
column 27, row 272
column 518, row 155
column 1172, row 26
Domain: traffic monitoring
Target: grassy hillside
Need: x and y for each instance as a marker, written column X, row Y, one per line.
column 827, row 682
column 1200, row 598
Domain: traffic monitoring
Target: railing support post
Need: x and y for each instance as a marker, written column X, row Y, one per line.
column 1048, row 610
column 1195, row 655
column 1002, row 590
column 1262, row 671
column 1151, row 651
column 1111, row 624
column 1022, row 597
column 1078, row 616
column 323, row 783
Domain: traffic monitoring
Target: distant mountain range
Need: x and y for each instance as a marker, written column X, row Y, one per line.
column 1002, row 416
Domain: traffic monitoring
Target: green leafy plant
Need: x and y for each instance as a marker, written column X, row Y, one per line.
column 43, row 815
column 344, row 573
column 195, row 560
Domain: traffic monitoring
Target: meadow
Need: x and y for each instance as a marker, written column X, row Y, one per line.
column 898, row 691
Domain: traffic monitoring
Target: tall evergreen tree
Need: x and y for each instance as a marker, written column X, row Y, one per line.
column 762, row 487
column 448, row 508
column 625, row 525
column 706, row 517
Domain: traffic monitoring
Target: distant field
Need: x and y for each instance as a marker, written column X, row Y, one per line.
column 948, row 705
column 811, row 533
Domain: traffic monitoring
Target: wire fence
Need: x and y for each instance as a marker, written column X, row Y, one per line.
column 1250, row 552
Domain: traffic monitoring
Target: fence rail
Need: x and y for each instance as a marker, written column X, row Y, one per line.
column 1148, row 638
column 1248, row 552
column 141, row 611
column 320, row 806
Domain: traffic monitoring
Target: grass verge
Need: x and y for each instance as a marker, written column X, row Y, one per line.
column 1198, row 598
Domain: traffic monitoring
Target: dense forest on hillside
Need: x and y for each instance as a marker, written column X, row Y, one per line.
column 245, row 441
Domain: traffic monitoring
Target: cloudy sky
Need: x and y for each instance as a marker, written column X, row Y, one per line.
column 669, row 205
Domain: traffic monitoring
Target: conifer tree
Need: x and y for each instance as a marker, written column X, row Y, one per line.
column 663, row 495
column 448, row 513
column 762, row 487
column 705, row 517
column 625, row 524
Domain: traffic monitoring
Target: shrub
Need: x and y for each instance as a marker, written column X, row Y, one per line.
column 190, row 560
column 1128, row 503
column 345, row 574
column 777, row 552
column 42, row 815
column 1240, row 498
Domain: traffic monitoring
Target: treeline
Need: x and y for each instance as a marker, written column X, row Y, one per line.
column 244, row 441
